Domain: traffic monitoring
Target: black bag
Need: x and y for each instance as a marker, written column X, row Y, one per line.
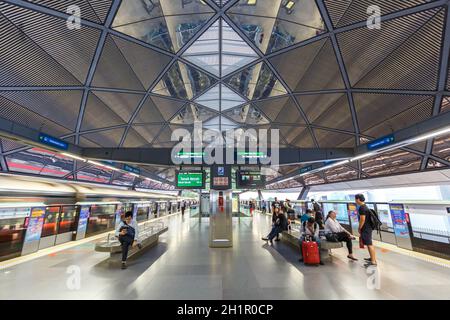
column 375, row 221
column 332, row 237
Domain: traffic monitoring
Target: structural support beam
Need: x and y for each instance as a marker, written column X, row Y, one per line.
column 162, row 156
column 304, row 193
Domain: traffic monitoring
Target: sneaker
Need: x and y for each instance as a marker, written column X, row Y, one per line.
column 124, row 265
column 352, row 258
column 370, row 264
column 265, row 239
column 368, row 259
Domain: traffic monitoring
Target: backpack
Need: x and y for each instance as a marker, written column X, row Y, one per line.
column 374, row 221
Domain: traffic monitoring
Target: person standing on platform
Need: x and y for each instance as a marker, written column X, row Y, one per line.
column 365, row 229
column 127, row 231
column 183, row 207
column 318, row 214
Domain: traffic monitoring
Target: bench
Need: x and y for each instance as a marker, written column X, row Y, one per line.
column 293, row 237
column 149, row 234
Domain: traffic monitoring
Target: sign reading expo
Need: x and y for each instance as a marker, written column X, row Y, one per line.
column 190, row 179
column 53, row 142
column 379, row 143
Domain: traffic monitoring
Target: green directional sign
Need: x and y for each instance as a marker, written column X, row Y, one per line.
column 190, row 179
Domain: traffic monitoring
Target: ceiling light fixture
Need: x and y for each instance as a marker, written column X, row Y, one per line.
column 73, row 156
column 99, row 164
column 431, row 135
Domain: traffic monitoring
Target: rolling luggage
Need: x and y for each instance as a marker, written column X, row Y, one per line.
column 310, row 251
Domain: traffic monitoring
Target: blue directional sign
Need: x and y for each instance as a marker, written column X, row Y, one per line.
column 53, row 142
column 382, row 142
column 131, row 169
column 306, row 169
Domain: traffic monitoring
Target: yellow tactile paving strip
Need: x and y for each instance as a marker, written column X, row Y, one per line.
column 421, row 256
column 64, row 246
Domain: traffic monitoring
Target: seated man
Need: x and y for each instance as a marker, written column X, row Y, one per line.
column 336, row 233
column 127, row 231
column 309, row 229
column 279, row 226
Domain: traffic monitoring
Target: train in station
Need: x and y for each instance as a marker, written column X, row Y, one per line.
column 38, row 213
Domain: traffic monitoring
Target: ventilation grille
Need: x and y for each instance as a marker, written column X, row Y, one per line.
column 378, row 110
column 16, row 113
column 92, row 10
column 73, row 50
column 403, row 54
column 346, row 12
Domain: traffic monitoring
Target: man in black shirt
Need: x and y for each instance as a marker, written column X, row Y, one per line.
column 365, row 229
column 318, row 215
column 279, row 226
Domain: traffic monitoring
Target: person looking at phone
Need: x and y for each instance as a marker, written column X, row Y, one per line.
column 127, row 231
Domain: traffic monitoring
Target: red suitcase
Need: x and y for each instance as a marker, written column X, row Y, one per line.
column 310, row 251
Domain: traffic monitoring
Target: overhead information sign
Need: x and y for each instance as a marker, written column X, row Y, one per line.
column 53, row 142
column 246, row 179
column 131, row 169
column 190, row 179
column 380, row 143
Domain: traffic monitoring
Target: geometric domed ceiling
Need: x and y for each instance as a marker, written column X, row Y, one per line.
column 138, row 69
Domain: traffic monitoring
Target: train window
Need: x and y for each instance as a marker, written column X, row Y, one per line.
column 102, row 218
column 12, row 234
column 142, row 213
column 67, row 221
column 50, row 226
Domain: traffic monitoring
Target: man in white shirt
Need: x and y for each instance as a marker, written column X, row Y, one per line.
column 336, row 233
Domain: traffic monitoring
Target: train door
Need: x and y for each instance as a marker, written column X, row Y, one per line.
column 50, row 227
column 67, row 224
column 13, row 226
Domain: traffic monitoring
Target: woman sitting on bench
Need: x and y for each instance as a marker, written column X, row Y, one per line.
column 334, row 232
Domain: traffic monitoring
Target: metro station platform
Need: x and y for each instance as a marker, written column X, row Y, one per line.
column 182, row 267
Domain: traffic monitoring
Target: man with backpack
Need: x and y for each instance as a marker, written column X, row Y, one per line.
column 367, row 223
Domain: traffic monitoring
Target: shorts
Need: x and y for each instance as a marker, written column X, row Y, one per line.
column 366, row 236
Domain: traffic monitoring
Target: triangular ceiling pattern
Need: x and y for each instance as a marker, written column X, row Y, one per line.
column 318, row 68
column 247, row 114
column 160, row 23
column 257, row 82
column 371, row 55
column 218, row 58
column 183, row 82
column 275, row 24
column 147, row 64
column 220, row 98
column 191, row 113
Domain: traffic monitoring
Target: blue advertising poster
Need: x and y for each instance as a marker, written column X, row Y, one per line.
column 84, row 216
column 35, row 224
column 119, row 212
column 399, row 220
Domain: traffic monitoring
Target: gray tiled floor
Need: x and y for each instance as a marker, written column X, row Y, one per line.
column 182, row 266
